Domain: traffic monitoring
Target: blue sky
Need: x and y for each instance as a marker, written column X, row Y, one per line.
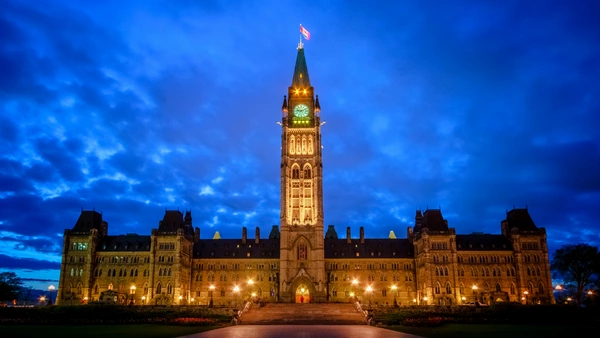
column 131, row 107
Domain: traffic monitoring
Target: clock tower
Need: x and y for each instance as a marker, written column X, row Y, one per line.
column 302, row 271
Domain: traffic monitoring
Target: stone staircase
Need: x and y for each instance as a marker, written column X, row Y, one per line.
column 303, row 314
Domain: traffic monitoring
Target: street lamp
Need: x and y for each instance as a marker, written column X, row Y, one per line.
column 463, row 299
column 51, row 289
column 475, row 292
column 236, row 289
column 180, row 298
column 42, row 299
column 369, row 291
column 425, row 299
column 211, row 288
column 132, row 294
column 251, row 282
column 526, row 293
column 143, row 300
column 394, row 288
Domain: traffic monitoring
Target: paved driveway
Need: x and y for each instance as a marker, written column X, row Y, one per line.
column 301, row 331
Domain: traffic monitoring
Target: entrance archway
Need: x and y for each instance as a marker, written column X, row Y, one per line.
column 302, row 294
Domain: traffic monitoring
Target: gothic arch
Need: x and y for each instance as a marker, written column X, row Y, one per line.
column 295, row 171
column 307, row 171
column 310, row 145
column 292, row 145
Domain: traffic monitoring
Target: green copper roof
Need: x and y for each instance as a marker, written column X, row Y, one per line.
column 301, row 78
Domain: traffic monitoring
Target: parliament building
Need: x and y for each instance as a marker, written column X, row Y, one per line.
column 300, row 260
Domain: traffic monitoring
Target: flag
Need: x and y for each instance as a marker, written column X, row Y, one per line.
column 305, row 32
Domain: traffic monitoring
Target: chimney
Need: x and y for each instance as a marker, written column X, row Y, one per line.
column 244, row 235
column 348, row 238
column 257, row 236
column 362, row 235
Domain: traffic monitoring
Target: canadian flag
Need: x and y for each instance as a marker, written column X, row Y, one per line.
column 305, row 32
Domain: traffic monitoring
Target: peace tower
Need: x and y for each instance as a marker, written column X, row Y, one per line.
column 301, row 218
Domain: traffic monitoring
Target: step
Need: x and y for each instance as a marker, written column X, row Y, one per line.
column 303, row 314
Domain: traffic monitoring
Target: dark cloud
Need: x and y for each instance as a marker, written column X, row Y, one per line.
column 7, row 262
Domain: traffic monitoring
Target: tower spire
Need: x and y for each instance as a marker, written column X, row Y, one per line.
column 300, row 78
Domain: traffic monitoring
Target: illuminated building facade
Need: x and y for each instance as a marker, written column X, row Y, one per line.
column 299, row 261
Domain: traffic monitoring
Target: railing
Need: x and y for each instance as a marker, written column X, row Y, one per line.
column 368, row 314
column 237, row 314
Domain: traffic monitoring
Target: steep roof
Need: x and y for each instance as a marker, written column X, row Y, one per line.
column 300, row 78
column 371, row 248
column 173, row 221
column 431, row 219
column 479, row 242
column 130, row 242
column 234, row 248
column 520, row 218
column 88, row 220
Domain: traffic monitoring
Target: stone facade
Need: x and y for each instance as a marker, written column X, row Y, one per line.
column 300, row 262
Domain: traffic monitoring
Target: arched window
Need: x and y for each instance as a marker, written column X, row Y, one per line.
column 437, row 271
column 160, row 272
column 136, row 272
column 384, row 292
column 303, row 144
column 498, row 288
column 528, row 271
column 96, row 289
column 307, row 172
column 486, row 287
column 448, row 288
column 438, row 288
column 445, row 271
column 334, row 292
column 541, row 288
column 530, row 288
column 292, row 145
column 72, row 272
column 310, row 145
column 302, row 250
column 169, row 289
column 158, row 289
column 537, row 270
column 222, row 292
column 131, row 273
column 295, row 172
column 512, row 289
column 462, row 288
column 461, row 272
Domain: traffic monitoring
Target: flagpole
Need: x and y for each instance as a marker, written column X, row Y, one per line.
column 300, row 46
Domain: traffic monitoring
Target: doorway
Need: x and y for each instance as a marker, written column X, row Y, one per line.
column 302, row 294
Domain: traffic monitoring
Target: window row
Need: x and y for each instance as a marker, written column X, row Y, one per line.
column 74, row 259
column 166, row 246
column 122, row 273
column 123, row 259
column 79, row 246
column 301, row 145
column 234, row 266
column 486, row 259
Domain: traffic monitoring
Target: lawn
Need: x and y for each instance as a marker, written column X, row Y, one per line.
column 93, row 331
column 497, row 331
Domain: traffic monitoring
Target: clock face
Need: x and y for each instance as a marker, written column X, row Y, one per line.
column 301, row 110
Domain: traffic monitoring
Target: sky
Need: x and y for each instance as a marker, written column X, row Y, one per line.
column 134, row 107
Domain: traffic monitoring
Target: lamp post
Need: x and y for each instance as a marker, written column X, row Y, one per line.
column 425, row 299
column 236, row 289
column 250, row 288
column 42, row 300
column 211, row 288
column 143, row 300
column 180, row 299
column 475, row 292
column 369, row 291
column 51, row 289
column 192, row 300
column 526, row 293
column 132, row 294
column 394, row 290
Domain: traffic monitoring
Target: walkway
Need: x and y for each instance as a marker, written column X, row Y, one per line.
column 301, row 331
column 303, row 314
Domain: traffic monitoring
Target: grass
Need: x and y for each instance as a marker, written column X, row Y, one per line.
column 97, row 331
column 497, row 331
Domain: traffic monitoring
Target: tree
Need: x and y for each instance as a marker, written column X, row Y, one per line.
column 10, row 286
column 578, row 265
